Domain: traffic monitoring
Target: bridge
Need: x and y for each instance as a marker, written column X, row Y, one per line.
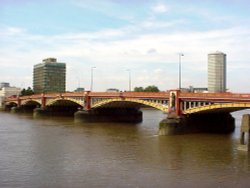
column 173, row 101
column 176, row 104
column 93, row 100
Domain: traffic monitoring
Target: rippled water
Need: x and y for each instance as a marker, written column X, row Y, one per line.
column 59, row 153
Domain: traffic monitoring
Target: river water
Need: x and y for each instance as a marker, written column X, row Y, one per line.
column 58, row 153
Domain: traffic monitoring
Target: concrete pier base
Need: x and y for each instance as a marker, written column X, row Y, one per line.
column 171, row 126
column 15, row 109
column 109, row 115
column 245, row 129
column 209, row 123
column 38, row 112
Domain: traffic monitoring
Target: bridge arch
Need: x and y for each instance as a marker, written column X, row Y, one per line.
column 219, row 107
column 31, row 102
column 11, row 103
column 62, row 106
column 64, row 100
column 107, row 102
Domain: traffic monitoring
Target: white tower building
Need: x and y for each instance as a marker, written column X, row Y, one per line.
column 217, row 72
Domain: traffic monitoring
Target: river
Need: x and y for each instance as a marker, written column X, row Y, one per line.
column 58, row 153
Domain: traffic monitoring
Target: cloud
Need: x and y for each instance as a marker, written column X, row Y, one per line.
column 152, row 56
column 152, row 51
column 160, row 8
column 6, row 31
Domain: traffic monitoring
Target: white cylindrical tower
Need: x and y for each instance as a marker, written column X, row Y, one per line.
column 217, row 72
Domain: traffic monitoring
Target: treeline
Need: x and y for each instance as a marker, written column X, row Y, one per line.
column 147, row 89
column 27, row 91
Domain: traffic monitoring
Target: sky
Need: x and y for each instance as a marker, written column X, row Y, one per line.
column 120, row 37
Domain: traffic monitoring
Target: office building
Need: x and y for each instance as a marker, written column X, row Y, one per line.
column 7, row 92
column 216, row 72
column 49, row 76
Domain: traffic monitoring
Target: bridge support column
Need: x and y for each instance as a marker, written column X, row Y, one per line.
column 39, row 112
column 196, row 123
column 171, row 126
column 245, row 129
column 43, row 99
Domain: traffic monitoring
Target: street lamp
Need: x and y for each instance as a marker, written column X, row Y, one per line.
column 129, row 81
column 180, row 54
column 91, row 84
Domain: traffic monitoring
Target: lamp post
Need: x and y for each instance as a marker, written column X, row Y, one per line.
column 180, row 54
column 91, row 84
column 129, row 79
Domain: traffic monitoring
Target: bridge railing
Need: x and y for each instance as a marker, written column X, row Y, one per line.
column 158, row 95
column 163, row 95
column 215, row 95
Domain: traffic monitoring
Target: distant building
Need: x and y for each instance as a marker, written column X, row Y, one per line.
column 217, row 72
column 79, row 89
column 4, row 84
column 198, row 89
column 49, row 76
column 112, row 90
column 7, row 92
column 192, row 89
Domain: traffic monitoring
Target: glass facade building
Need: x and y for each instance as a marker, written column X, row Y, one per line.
column 49, row 76
column 217, row 72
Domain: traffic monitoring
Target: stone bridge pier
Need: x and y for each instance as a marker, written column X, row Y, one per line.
column 194, row 123
column 245, row 133
column 178, row 122
column 129, row 115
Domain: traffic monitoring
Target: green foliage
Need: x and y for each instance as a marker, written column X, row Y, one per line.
column 147, row 89
column 151, row 89
column 138, row 89
column 27, row 91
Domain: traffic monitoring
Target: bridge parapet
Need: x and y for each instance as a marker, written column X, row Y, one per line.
column 217, row 107
column 211, row 96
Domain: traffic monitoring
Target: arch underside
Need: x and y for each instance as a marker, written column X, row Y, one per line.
column 218, row 108
column 51, row 103
column 12, row 103
column 64, row 102
column 128, row 103
column 31, row 103
column 62, row 107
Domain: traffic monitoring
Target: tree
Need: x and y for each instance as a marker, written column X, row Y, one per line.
column 147, row 89
column 138, row 89
column 27, row 91
column 151, row 89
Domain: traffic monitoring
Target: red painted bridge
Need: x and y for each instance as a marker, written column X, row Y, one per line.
column 172, row 101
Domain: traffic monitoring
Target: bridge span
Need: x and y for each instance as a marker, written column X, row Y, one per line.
column 181, row 103
column 177, row 105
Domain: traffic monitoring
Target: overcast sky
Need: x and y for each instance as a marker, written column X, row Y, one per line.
column 144, row 36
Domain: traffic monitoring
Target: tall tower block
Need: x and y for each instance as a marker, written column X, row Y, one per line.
column 217, row 72
column 49, row 76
